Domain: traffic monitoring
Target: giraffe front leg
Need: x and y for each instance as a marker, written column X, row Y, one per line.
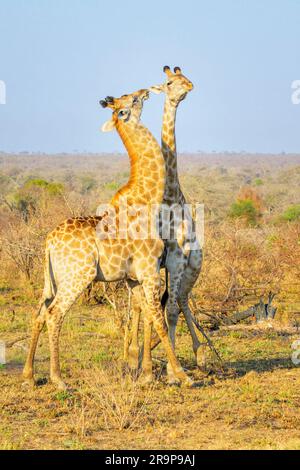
column 172, row 311
column 126, row 340
column 188, row 281
column 137, row 303
column 152, row 293
column 198, row 348
column 147, row 356
column 133, row 353
column 172, row 316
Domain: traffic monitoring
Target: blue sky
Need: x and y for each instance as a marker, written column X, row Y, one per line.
column 59, row 57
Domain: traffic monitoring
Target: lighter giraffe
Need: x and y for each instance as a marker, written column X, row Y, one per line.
column 76, row 255
column 182, row 264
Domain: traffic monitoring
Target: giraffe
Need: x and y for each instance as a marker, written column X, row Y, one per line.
column 182, row 265
column 76, row 254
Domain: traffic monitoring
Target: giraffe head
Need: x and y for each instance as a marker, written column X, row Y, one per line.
column 127, row 108
column 176, row 86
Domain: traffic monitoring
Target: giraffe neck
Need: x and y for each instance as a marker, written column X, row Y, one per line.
column 172, row 189
column 147, row 167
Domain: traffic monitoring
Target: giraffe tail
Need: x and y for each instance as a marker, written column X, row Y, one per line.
column 165, row 295
column 50, row 287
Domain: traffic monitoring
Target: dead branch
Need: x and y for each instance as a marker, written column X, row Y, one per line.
column 10, row 344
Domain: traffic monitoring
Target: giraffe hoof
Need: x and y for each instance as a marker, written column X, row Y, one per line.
column 146, row 379
column 188, row 383
column 28, row 383
column 133, row 363
column 173, row 382
column 60, row 385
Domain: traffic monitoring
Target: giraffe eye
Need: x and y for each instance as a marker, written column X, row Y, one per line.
column 121, row 113
column 124, row 114
column 169, row 83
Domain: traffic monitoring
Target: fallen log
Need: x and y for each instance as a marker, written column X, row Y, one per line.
column 259, row 312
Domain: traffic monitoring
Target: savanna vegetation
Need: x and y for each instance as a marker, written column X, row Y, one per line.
column 252, row 247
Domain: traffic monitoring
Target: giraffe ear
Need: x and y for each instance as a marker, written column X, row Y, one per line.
column 157, row 89
column 108, row 126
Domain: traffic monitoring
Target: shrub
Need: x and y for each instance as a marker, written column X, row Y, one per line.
column 248, row 193
column 52, row 188
column 244, row 209
column 116, row 399
column 292, row 213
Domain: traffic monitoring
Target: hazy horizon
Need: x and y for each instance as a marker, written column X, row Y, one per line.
column 124, row 153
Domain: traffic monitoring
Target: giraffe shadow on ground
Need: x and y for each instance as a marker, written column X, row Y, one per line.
column 242, row 367
column 238, row 368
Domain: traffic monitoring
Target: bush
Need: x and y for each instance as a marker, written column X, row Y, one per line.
column 34, row 194
column 53, row 189
column 244, row 209
column 292, row 213
column 247, row 193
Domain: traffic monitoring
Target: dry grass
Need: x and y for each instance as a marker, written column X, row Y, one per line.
column 122, row 402
column 255, row 406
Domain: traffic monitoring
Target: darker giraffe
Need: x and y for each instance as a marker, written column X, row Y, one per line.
column 182, row 264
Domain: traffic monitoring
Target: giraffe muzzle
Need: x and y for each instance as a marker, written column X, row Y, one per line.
column 103, row 103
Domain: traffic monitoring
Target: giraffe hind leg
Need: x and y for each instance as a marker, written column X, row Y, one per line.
column 172, row 311
column 56, row 313
column 38, row 323
column 67, row 293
